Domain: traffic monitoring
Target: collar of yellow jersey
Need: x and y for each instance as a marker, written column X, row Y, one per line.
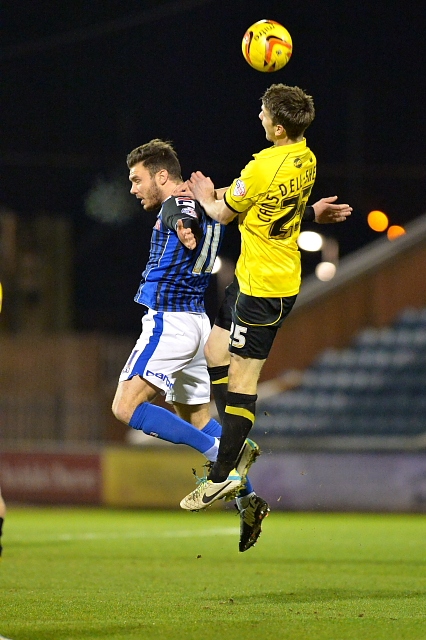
column 282, row 149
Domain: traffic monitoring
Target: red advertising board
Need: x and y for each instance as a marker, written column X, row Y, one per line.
column 51, row 478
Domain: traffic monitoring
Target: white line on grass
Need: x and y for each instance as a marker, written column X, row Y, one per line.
column 71, row 537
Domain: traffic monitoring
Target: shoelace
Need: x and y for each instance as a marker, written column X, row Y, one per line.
column 199, row 479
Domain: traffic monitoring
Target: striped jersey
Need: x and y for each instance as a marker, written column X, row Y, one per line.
column 176, row 278
column 272, row 192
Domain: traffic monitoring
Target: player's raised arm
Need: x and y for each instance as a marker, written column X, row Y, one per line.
column 326, row 211
column 203, row 189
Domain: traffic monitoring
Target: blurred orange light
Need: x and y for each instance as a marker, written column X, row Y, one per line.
column 377, row 220
column 395, row 231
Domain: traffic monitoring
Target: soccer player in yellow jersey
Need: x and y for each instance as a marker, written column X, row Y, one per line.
column 270, row 198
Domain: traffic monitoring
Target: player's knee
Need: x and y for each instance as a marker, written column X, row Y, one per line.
column 215, row 357
column 121, row 411
column 216, row 348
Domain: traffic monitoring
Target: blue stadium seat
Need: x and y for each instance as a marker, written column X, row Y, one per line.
column 377, row 387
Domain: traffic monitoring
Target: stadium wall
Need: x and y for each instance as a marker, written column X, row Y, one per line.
column 113, row 476
column 158, row 478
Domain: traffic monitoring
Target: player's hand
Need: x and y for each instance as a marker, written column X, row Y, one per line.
column 202, row 187
column 327, row 212
column 186, row 236
column 183, row 190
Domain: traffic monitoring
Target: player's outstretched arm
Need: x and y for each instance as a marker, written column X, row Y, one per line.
column 326, row 211
column 203, row 189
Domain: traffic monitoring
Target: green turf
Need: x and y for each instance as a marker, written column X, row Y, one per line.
column 75, row 574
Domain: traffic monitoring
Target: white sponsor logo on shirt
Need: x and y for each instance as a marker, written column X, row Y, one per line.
column 189, row 212
column 185, row 202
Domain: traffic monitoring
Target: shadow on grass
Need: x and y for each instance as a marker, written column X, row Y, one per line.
column 356, row 561
column 86, row 632
column 324, row 595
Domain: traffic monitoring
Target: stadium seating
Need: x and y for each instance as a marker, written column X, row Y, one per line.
column 374, row 388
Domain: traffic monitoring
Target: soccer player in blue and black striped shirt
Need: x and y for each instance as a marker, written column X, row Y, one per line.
column 168, row 358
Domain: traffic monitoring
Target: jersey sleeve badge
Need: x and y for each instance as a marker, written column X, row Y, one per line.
column 189, row 212
column 239, row 188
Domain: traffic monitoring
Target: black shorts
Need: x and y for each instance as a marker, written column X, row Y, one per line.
column 253, row 322
column 224, row 315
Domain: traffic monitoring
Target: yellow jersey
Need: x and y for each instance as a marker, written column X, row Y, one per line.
column 272, row 192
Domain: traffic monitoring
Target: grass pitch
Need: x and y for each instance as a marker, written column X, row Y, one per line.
column 80, row 574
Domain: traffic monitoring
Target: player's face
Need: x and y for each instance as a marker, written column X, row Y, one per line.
column 145, row 187
column 266, row 120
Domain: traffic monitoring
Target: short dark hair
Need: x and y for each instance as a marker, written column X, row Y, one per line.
column 156, row 155
column 290, row 107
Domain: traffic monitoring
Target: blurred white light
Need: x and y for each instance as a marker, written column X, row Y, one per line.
column 325, row 271
column 217, row 265
column 310, row 241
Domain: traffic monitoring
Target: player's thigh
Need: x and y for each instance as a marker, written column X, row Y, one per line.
column 168, row 342
column 217, row 347
column 192, row 382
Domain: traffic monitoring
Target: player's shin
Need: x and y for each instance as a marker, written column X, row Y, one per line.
column 238, row 421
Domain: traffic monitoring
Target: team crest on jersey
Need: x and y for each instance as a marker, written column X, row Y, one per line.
column 240, row 188
column 297, row 162
column 189, row 212
column 185, row 202
column 157, row 225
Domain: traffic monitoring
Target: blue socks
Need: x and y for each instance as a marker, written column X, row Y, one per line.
column 160, row 423
column 213, row 428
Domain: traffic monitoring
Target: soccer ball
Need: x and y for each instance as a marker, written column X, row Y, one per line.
column 267, row 46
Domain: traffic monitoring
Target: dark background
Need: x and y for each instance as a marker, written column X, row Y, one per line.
column 83, row 83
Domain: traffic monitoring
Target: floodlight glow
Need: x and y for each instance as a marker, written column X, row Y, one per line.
column 377, row 220
column 325, row 271
column 310, row 241
column 217, row 265
column 395, row 231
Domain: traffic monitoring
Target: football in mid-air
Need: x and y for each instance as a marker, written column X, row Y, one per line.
column 267, row 46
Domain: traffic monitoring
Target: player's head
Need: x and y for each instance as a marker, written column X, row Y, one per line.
column 154, row 171
column 287, row 107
